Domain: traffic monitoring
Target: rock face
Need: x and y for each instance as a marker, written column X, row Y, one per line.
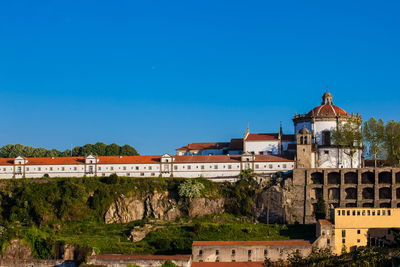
column 204, row 206
column 159, row 205
column 17, row 250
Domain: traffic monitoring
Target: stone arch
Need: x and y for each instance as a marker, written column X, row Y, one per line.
column 350, row 193
column 333, row 193
column 316, row 193
column 317, row 178
column 398, row 205
column 398, row 178
column 385, row 193
column 368, row 193
column 384, row 205
column 350, row 178
column 333, row 178
column 398, row 193
column 368, row 205
column 385, row 177
column 368, row 178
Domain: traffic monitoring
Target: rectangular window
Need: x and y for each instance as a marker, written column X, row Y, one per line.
column 378, row 213
column 215, row 166
column 265, row 252
column 229, row 167
column 90, row 169
column 270, row 166
column 111, row 168
column 99, row 168
column 149, row 167
column 233, row 252
column 175, row 167
column 249, row 252
column 217, row 252
column 388, row 212
column 142, row 174
column 284, row 166
column 39, row 169
column 354, row 213
column 257, row 166
column 338, row 212
column 328, row 241
column 363, row 213
column 343, row 233
column 27, row 168
column 358, row 232
column 189, row 167
column 75, row 168
column 200, row 252
column 383, row 212
column 358, row 213
column 63, row 169
column 124, row 168
column 128, row 174
column 343, row 212
column 343, row 240
column 51, row 168
column 153, row 174
column 137, row 168
column 369, row 213
column 348, row 213
column 202, row 167
column 373, row 213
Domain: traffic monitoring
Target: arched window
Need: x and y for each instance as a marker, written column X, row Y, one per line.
column 305, row 140
column 301, row 139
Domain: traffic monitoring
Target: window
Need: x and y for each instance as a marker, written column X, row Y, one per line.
column 326, row 152
column 39, row 169
column 153, row 174
column 137, row 167
column 149, row 167
column 343, row 212
column 363, row 213
column 270, row 166
column 373, row 213
column 257, row 166
column 233, row 252
column 338, row 212
column 378, row 213
column 142, row 174
column 249, row 252
column 369, row 213
column 27, row 168
column 348, row 213
column 217, row 252
column 51, row 168
column 175, row 167
column 358, row 232
column 215, row 166
column 354, row 213
column 128, row 174
column 111, row 168
column 19, row 170
column 99, row 168
column 202, row 167
column 358, row 240
column 200, row 252
column 189, row 167
column 229, row 167
column 90, row 169
column 358, row 213
column 284, row 166
column 63, row 169
column 124, row 168
column 75, row 168
column 343, row 233
column 328, row 241
column 383, row 212
column 388, row 212
column 265, row 252
column 343, row 240
column 326, row 138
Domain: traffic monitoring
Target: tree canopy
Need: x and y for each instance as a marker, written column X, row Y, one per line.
column 100, row 149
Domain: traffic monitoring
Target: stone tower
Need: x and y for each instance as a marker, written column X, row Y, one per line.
column 304, row 148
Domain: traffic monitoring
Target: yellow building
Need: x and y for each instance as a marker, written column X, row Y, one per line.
column 355, row 227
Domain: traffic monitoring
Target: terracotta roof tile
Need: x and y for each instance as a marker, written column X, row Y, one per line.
column 228, row 264
column 141, row 257
column 262, row 137
column 252, row 243
column 324, row 222
column 200, row 146
column 206, row 158
column 328, row 110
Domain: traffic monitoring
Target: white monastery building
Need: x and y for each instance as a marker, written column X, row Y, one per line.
column 264, row 153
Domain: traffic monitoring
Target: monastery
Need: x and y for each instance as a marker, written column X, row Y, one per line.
column 264, row 153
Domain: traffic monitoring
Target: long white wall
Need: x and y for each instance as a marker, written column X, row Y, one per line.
column 187, row 170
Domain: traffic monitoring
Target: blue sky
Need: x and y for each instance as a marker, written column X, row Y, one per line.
column 160, row 74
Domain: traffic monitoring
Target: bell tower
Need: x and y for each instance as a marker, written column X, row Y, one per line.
column 304, row 148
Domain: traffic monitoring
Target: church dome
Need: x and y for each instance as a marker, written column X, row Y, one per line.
column 327, row 108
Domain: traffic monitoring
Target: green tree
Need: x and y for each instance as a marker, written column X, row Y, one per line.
column 77, row 151
column 87, row 150
column 348, row 136
column 112, row 150
column 392, row 142
column 169, row 263
column 127, row 150
column 190, row 189
column 100, row 148
column 5, row 151
column 320, row 210
column 374, row 136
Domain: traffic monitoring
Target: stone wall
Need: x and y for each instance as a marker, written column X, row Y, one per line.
column 357, row 187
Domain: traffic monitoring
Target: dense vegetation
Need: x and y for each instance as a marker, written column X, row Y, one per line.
column 99, row 149
column 51, row 212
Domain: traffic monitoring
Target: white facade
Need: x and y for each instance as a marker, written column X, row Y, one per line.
column 141, row 166
column 262, row 147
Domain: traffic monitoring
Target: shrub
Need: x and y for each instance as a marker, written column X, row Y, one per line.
column 190, row 189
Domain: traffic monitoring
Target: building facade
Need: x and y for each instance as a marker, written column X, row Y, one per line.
column 214, row 166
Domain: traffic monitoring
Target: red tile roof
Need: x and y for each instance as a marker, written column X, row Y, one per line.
column 228, row 264
column 328, row 110
column 236, row 144
column 141, row 159
column 324, row 222
column 200, row 146
column 271, row 158
column 269, row 137
column 206, row 158
column 141, row 257
column 252, row 243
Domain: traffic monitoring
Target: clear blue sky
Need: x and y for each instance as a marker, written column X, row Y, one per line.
column 160, row 74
